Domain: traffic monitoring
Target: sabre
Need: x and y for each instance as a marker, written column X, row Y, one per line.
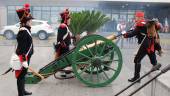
column 7, row 71
column 37, row 74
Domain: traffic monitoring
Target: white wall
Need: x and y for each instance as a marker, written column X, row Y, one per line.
column 158, row 87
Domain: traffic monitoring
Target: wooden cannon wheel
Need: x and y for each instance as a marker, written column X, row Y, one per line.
column 96, row 61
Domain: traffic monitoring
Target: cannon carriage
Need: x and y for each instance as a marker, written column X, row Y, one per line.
column 96, row 61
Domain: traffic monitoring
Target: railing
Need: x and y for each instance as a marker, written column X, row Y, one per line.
column 164, row 70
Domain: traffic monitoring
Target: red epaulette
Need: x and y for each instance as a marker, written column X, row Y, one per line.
column 62, row 25
column 20, row 10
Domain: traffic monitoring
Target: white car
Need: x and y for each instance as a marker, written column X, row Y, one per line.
column 39, row 28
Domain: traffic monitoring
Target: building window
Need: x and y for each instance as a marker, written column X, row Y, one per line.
column 73, row 9
column 46, row 14
column 12, row 17
column 80, row 9
column 37, row 12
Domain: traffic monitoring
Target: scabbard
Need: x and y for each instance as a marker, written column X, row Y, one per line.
column 7, row 71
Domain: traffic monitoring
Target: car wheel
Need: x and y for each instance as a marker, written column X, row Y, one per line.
column 9, row 35
column 42, row 35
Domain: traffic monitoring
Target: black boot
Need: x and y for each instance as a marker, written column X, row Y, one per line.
column 134, row 79
column 27, row 93
column 155, row 65
column 136, row 74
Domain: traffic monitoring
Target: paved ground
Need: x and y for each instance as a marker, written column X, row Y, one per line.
column 52, row 87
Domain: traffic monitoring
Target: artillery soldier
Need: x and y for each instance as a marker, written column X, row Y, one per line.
column 146, row 33
column 64, row 36
column 24, row 49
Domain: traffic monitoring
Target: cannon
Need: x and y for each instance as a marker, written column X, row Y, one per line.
column 96, row 61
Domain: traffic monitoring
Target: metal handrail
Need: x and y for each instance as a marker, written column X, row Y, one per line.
column 167, row 68
column 156, row 67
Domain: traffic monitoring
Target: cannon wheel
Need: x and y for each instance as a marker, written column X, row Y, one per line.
column 96, row 61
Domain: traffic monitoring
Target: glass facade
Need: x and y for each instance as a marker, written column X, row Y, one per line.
column 11, row 15
column 51, row 14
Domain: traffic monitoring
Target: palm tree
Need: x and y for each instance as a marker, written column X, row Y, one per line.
column 97, row 20
column 88, row 21
column 78, row 23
